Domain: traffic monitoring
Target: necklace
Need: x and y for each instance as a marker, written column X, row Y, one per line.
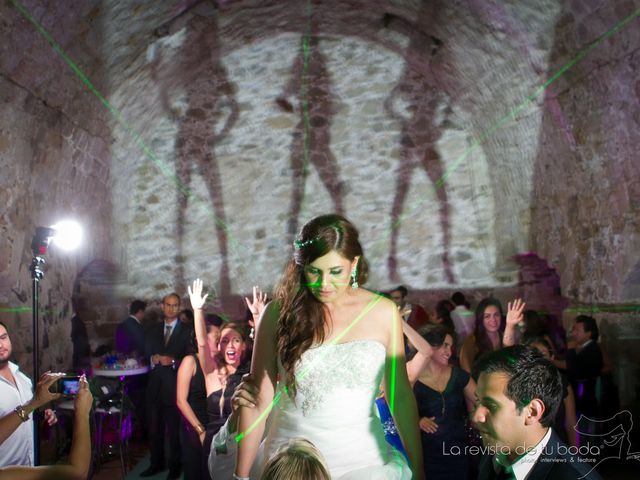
column 437, row 383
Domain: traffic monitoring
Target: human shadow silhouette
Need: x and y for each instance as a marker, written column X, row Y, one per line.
column 419, row 132
column 211, row 112
column 310, row 89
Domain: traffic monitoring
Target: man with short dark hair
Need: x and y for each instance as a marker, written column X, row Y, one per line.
column 167, row 344
column 17, row 403
column 464, row 320
column 130, row 338
column 413, row 314
column 517, row 396
column 584, row 363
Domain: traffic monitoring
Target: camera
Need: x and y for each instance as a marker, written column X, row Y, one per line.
column 68, row 386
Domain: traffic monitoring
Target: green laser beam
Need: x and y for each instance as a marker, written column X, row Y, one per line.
column 300, row 375
column 304, row 100
column 509, row 116
column 612, row 309
column 394, row 362
column 15, row 310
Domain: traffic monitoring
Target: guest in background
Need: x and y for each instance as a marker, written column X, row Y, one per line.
column 130, row 336
column 223, row 373
column 167, row 344
column 565, row 421
column 463, row 318
column 192, row 401
column 584, row 363
column 487, row 334
column 81, row 358
column 444, row 395
column 186, row 316
column 413, row 314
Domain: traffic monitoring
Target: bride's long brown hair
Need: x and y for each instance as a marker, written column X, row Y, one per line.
column 301, row 321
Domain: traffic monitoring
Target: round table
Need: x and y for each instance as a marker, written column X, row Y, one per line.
column 120, row 372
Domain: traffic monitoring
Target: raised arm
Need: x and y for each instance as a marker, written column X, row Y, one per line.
column 80, row 456
column 256, row 307
column 514, row 317
column 197, row 304
column 398, row 392
column 251, row 422
column 11, row 421
column 421, row 358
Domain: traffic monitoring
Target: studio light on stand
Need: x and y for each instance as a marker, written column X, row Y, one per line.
column 65, row 235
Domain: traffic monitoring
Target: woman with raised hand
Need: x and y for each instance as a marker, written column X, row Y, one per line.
column 331, row 343
column 192, row 403
column 221, row 374
column 487, row 335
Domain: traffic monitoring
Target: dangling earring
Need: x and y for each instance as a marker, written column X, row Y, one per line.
column 354, row 278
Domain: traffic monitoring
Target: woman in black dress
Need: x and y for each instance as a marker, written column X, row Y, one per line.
column 192, row 403
column 444, row 394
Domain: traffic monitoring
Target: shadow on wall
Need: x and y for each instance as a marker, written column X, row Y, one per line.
column 420, row 133
column 210, row 114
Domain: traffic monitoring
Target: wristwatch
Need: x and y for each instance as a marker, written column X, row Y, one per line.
column 22, row 413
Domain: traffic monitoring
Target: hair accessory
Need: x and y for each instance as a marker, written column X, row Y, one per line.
column 354, row 278
column 301, row 244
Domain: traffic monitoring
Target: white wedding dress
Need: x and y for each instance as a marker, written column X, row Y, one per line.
column 334, row 408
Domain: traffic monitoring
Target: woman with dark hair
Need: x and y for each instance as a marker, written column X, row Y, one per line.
column 443, row 314
column 332, row 344
column 222, row 373
column 445, row 395
column 192, row 402
column 487, row 335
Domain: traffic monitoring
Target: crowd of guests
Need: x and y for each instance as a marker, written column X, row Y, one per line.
column 484, row 376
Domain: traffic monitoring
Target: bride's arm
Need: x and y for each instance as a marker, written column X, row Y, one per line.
column 399, row 394
column 251, row 422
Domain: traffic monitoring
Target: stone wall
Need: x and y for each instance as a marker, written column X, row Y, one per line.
column 54, row 158
column 197, row 147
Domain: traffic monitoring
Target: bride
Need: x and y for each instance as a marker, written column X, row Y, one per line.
column 330, row 344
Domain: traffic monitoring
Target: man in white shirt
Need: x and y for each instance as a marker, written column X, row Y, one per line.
column 517, row 397
column 464, row 320
column 16, row 405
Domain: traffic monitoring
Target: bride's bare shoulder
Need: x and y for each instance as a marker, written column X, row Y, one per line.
column 381, row 308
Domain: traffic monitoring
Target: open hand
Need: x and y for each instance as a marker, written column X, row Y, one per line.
column 428, row 424
column 195, row 295
column 514, row 312
column 257, row 305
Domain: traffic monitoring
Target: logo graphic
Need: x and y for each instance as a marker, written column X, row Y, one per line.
column 611, row 437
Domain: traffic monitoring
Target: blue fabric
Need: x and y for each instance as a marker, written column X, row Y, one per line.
column 390, row 431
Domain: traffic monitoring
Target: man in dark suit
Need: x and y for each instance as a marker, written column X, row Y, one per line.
column 517, row 397
column 584, row 363
column 130, row 337
column 167, row 344
column 130, row 341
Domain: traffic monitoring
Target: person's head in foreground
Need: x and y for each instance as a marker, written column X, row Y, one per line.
column 517, row 397
column 298, row 459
